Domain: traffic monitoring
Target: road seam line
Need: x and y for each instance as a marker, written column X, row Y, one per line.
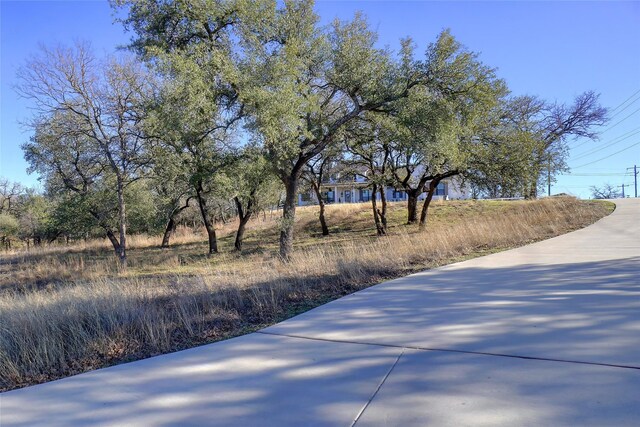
column 366, row 405
column 448, row 350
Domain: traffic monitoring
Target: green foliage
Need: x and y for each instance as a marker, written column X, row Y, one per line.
column 542, row 129
column 9, row 226
column 253, row 182
column 234, row 96
column 34, row 217
column 434, row 131
column 72, row 167
column 298, row 83
column 192, row 123
column 71, row 215
column 143, row 213
column 87, row 124
column 306, row 86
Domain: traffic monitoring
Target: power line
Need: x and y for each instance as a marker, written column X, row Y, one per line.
column 582, row 143
column 610, row 155
column 620, row 121
column 614, row 115
column 606, row 169
column 585, row 140
column 625, row 101
column 594, row 174
column 627, row 106
column 610, row 144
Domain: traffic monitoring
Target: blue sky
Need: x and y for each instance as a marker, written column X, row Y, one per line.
column 555, row 50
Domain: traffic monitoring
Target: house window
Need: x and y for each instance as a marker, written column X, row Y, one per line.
column 305, row 197
column 331, row 178
column 441, row 190
column 365, row 195
column 329, row 196
column 398, row 194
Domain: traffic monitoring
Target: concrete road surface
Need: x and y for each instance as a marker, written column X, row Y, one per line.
column 544, row 335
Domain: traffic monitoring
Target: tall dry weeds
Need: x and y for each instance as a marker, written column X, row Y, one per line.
column 51, row 333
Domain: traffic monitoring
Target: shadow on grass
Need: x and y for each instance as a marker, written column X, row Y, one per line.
column 579, row 311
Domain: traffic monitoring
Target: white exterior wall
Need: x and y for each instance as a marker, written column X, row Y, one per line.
column 453, row 191
column 456, row 191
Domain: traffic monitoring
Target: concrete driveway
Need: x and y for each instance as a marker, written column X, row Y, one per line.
column 544, row 335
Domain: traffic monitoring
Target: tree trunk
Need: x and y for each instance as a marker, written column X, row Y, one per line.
column 412, row 205
column 171, row 225
column 381, row 228
column 323, row 221
column 532, row 186
column 427, row 201
column 114, row 241
column 244, row 217
column 206, row 219
column 211, row 237
column 53, row 238
column 240, row 234
column 107, row 230
column 532, row 191
column 288, row 216
column 383, row 211
column 168, row 231
column 122, row 226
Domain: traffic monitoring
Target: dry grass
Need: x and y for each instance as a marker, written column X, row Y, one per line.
column 51, row 266
column 175, row 299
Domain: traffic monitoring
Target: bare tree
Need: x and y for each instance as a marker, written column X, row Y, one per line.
column 9, row 191
column 97, row 101
column 607, row 191
column 549, row 126
column 9, row 225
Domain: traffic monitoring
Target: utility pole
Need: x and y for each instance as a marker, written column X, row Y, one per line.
column 622, row 190
column 635, row 179
column 549, row 178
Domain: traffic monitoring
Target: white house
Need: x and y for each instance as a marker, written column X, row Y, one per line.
column 357, row 189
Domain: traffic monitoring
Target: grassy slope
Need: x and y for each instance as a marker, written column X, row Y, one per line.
column 52, row 266
column 68, row 310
